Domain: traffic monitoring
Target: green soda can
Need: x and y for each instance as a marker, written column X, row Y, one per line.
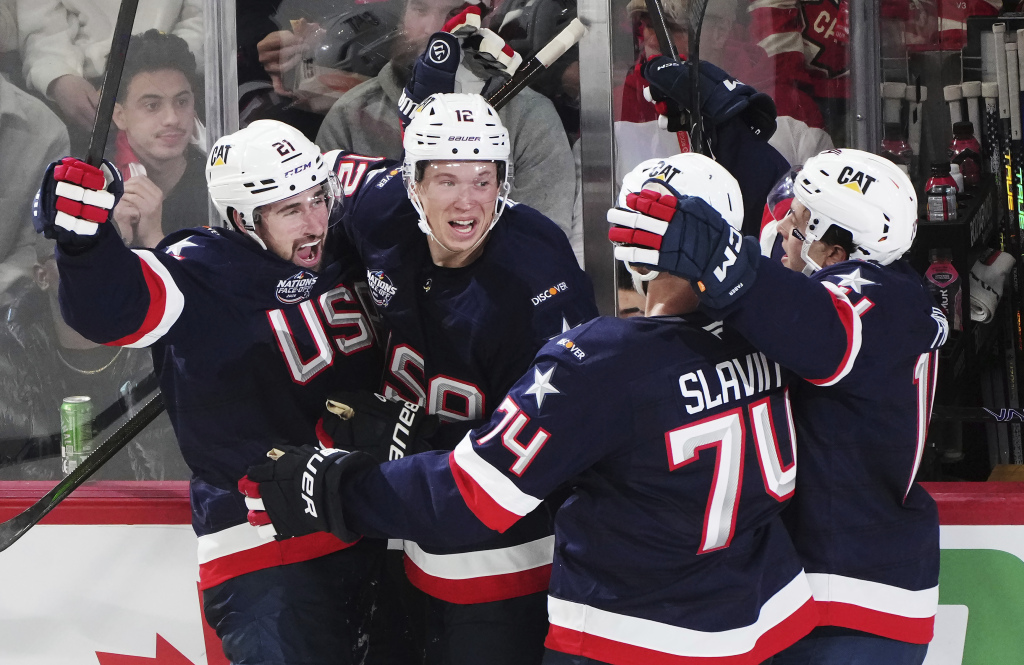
column 75, row 431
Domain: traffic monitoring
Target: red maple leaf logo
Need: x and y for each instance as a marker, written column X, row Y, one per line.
column 826, row 28
column 166, row 654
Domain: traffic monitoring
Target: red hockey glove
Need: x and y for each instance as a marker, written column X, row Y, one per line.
column 73, row 200
column 685, row 236
column 296, row 493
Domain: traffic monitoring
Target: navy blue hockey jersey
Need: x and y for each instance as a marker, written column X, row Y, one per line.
column 246, row 344
column 676, row 438
column 865, row 337
column 458, row 340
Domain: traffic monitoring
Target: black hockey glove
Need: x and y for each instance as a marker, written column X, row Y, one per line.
column 721, row 97
column 372, row 424
column 295, row 493
column 73, row 200
column 685, row 236
column 433, row 73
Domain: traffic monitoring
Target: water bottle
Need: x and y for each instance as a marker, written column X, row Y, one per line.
column 944, row 285
column 941, row 192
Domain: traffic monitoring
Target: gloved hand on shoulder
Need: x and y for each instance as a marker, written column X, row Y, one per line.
column 685, row 236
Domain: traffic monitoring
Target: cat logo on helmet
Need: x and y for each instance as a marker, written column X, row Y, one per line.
column 663, row 171
column 857, row 181
column 219, row 155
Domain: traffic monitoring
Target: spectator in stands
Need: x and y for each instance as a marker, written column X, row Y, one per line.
column 156, row 147
column 365, row 120
column 37, row 137
column 308, row 54
column 64, row 47
column 42, row 361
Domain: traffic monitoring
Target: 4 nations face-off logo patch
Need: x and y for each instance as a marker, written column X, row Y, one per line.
column 296, row 288
column 382, row 289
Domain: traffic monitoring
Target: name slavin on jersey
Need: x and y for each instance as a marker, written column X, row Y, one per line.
column 549, row 292
column 381, row 287
column 571, row 347
column 296, row 287
column 737, row 378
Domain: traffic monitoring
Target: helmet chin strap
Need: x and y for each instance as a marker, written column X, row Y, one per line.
column 250, row 229
column 640, row 281
column 810, row 265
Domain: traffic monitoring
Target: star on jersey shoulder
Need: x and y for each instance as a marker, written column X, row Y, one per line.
column 176, row 249
column 542, row 387
column 854, row 280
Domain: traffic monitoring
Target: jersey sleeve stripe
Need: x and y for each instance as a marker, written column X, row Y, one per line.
column 165, row 303
column 852, row 324
column 493, row 498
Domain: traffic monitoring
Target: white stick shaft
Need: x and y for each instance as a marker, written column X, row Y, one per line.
column 1013, row 89
column 972, row 93
column 562, row 42
column 998, row 30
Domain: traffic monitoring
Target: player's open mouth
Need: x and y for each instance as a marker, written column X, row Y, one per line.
column 309, row 254
column 462, row 228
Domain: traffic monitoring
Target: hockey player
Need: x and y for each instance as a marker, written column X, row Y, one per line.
column 864, row 333
column 249, row 330
column 470, row 285
column 676, row 437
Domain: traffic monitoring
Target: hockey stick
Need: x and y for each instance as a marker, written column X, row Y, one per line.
column 552, row 51
column 681, row 123
column 697, row 10
column 15, row 528
column 111, row 81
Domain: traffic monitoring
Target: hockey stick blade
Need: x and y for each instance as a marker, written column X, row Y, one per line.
column 111, row 81
column 552, row 51
column 15, row 528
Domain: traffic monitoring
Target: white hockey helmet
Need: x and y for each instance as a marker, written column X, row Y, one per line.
column 689, row 174
column 456, row 127
column 266, row 162
column 867, row 195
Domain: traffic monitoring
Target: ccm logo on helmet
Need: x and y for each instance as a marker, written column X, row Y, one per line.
column 405, row 417
column 298, row 169
column 858, row 181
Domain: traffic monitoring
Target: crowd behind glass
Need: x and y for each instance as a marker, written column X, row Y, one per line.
column 334, row 69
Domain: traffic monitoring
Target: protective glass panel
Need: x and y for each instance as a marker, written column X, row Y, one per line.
column 47, row 106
